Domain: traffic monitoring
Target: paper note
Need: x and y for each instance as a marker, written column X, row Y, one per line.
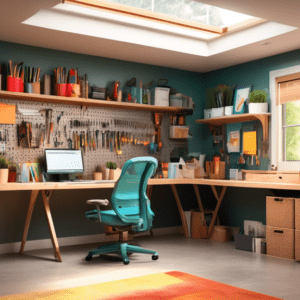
column 249, row 143
column 7, row 114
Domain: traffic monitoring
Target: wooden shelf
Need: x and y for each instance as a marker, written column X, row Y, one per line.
column 91, row 102
column 219, row 121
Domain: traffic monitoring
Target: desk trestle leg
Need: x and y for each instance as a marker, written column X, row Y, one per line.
column 46, row 197
column 181, row 212
column 214, row 216
column 33, row 197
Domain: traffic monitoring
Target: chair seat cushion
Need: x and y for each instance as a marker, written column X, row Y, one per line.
column 108, row 217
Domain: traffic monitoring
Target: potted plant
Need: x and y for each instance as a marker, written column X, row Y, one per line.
column 220, row 92
column 12, row 171
column 3, row 170
column 258, row 102
column 228, row 101
column 210, row 102
column 114, row 172
column 98, row 173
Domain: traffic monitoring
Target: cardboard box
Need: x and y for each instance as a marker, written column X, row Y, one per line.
column 199, row 229
column 271, row 176
column 297, row 214
column 281, row 212
column 221, row 234
column 280, row 242
column 297, row 245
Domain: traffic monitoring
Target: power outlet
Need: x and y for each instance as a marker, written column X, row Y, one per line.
column 2, row 147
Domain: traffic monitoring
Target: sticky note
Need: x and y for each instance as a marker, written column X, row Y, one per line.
column 7, row 114
column 249, row 143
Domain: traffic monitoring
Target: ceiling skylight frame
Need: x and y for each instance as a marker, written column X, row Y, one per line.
column 148, row 15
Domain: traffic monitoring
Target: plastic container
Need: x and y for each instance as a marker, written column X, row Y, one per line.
column 179, row 132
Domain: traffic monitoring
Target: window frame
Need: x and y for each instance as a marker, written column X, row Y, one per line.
column 161, row 18
column 276, row 153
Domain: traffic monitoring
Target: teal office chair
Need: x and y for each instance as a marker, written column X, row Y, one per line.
column 131, row 207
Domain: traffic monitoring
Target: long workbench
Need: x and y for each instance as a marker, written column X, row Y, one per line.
column 46, row 189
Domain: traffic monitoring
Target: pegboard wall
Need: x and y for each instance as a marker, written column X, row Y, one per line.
column 67, row 120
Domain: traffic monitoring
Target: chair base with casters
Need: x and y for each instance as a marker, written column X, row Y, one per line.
column 131, row 209
column 121, row 248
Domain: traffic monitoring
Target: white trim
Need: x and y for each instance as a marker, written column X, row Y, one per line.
column 79, row 240
column 276, row 113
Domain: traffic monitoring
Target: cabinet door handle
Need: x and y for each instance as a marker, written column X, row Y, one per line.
column 278, row 231
column 278, row 199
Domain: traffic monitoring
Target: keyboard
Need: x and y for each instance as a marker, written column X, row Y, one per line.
column 89, row 181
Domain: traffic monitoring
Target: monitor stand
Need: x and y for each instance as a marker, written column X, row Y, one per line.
column 56, row 177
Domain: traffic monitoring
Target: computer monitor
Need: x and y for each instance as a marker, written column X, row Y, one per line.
column 63, row 161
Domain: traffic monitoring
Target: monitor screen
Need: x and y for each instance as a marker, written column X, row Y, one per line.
column 61, row 161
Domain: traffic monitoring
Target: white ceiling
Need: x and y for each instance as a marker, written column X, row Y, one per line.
column 157, row 47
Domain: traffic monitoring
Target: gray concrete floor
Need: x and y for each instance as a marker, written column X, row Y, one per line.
column 37, row 270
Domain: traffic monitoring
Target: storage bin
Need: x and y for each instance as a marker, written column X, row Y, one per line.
column 179, row 132
column 280, row 212
column 221, row 234
column 297, row 245
column 297, row 214
column 243, row 242
column 280, row 242
column 160, row 96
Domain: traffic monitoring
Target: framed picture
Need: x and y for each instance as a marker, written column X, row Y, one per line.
column 240, row 98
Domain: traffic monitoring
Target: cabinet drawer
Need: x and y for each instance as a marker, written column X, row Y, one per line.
column 281, row 212
column 297, row 214
column 280, row 242
column 297, row 245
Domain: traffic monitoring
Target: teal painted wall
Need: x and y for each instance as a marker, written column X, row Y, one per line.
column 68, row 207
column 248, row 204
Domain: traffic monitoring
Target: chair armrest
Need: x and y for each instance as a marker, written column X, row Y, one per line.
column 97, row 203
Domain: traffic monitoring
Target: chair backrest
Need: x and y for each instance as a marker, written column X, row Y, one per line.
column 129, row 199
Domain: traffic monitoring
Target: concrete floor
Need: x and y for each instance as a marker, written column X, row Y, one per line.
column 36, row 270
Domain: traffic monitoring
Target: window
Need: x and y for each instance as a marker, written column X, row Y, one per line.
column 186, row 13
column 285, row 127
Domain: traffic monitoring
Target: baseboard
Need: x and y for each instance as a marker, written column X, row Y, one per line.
column 78, row 240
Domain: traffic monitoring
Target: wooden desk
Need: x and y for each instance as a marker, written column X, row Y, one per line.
column 46, row 189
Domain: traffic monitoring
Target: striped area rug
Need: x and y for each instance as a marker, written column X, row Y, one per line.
column 162, row 286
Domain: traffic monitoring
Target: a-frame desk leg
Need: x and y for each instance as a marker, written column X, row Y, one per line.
column 34, row 194
column 46, row 197
column 181, row 212
column 214, row 216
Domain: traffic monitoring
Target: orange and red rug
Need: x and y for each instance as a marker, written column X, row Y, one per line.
column 162, row 286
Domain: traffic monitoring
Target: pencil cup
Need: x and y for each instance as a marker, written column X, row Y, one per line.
column 33, row 88
column 61, row 89
column 73, row 90
column 97, row 175
column 15, row 84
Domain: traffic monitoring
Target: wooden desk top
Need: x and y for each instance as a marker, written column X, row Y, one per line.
column 68, row 186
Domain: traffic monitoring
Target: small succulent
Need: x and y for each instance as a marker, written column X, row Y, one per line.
column 111, row 165
column 258, row 96
column 3, row 163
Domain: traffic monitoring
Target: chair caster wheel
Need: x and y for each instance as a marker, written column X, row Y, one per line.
column 126, row 262
column 89, row 258
column 154, row 257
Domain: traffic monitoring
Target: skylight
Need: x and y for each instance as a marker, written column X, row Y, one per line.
column 185, row 13
column 188, row 10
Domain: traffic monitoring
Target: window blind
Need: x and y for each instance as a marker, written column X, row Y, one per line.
column 288, row 90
